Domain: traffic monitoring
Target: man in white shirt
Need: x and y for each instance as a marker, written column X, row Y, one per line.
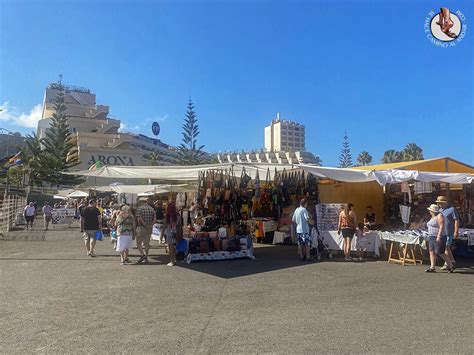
column 29, row 213
column 301, row 219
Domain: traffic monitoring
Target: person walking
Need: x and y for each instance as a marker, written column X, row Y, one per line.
column 171, row 226
column 91, row 220
column 347, row 226
column 126, row 232
column 451, row 226
column 47, row 215
column 29, row 213
column 146, row 218
column 437, row 239
column 301, row 219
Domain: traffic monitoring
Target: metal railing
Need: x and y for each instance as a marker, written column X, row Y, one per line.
column 11, row 207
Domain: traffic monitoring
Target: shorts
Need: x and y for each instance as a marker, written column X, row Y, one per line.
column 144, row 234
column 89, row 235
column 48, row 218
column 30, row 218
column 170, row 237
column 435, row 246
column 449, row 240
column 348, row 232
column 303, row 239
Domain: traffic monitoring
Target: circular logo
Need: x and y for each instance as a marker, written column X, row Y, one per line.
column 155, row 127
column 446, row 26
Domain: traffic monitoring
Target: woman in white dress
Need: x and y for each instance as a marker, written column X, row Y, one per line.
column 126, row 228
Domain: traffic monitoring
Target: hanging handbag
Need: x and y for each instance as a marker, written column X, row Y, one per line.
column 244, row 179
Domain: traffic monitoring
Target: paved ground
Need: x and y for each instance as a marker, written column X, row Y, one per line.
column 53, row 298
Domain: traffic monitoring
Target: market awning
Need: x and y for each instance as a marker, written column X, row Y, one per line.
column 78, row 194
column 384, row 177
column 181, row 172
column 146, row 189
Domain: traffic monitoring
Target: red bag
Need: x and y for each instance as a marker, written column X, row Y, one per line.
column 204, row 246
column 217, row 243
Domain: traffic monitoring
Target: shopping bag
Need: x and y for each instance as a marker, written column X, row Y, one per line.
column 99, row 235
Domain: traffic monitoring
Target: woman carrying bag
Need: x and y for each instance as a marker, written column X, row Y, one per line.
column 173, row 230
column 126, row 230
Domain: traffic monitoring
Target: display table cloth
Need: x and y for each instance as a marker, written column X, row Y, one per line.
column 334, row 241
column 467, row 234
column 405, row 237
column 279, row 237
column 223, row 255
column 405, row 246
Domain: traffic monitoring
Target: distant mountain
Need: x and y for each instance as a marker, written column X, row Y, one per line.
column 10, row 144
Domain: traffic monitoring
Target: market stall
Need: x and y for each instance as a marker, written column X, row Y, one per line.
column 372, row 187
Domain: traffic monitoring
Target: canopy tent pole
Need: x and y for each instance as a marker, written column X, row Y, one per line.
column 446, row 170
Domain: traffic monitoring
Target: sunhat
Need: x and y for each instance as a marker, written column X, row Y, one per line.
column 433, row 208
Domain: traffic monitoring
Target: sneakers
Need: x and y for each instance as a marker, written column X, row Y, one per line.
column 91, row 254
column 430, row 270
column 348, row 258
column 142, row 259
column 170, row 264
column 446, row 268
column 123, row 263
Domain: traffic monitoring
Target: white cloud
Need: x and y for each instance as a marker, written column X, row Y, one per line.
column 123, row 127
column 30, row 120
column 161, row 118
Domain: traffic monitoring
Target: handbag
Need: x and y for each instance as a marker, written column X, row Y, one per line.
column 204, row 246
column 244, row 179
column 217, row 244
column 99, row 235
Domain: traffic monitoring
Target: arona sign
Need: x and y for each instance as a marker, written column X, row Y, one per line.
column 111, row 160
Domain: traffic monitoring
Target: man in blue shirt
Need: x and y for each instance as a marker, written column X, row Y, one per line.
column 301, row 219
column 451, row 226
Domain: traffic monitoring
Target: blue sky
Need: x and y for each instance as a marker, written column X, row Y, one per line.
column 361, row 66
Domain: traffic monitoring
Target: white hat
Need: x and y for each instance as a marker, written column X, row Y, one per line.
column 433, row 208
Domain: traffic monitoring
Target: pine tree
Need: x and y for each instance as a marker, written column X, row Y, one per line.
column 345, row 159
column 60, row 152
column 189, row 153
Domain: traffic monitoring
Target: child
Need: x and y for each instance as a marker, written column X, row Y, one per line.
column 361, row 241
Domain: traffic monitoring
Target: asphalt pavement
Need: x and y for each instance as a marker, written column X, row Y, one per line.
column 54, row 298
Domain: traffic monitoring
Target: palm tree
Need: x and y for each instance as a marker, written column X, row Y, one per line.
column 391, row 156
column 364, row 158
column 412, row 152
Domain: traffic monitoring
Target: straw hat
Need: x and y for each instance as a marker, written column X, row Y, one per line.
column 441, row 199
column 433, row 208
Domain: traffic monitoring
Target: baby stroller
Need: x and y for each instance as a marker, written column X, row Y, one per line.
column 319, row 248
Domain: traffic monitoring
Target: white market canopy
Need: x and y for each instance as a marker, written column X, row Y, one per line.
column 77, row 194
column 383, row 177
column 181, row 172
column 146, row 190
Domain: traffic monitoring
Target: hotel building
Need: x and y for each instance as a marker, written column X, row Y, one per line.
column 98, row 136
